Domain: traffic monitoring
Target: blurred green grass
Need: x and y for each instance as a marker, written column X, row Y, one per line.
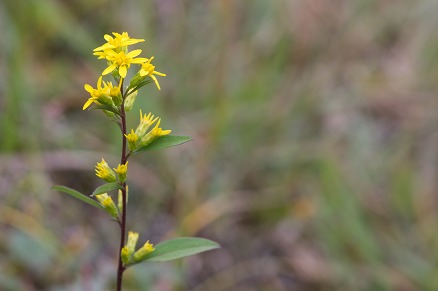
column 314, row 154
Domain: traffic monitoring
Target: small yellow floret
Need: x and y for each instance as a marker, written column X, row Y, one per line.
column 132, row 242
column 104, row 172
column 125, row 255
column 145, row 122
column 121, row 171
column 155, row 133
column 147, row 69
column 108, row 203
column 118, row 42
column 132, row 140
column 120, row 198
column 142, row 252
column 121, row 60
column 98, row 95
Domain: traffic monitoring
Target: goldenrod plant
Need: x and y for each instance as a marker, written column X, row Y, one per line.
column 116, row 100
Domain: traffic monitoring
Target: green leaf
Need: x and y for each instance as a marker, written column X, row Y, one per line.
column 163, row 142
column 179, row 248
column 107, row 108
column 106, row 188
column 77, row 195
column 138, row 86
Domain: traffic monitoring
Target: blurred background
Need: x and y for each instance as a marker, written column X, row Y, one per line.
column 315, row 152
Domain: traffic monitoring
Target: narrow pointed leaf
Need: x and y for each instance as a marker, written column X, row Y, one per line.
column 106, row 188
column 78, row 195
column 107, row 108
column 163, row 142
column 180, row 248
column 138, row 86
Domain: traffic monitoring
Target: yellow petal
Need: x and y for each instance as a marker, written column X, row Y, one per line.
column 133, row 54
column 109, row 69
column 132, row 41
column 110, row 52
column 138, row 60
column 159, row 74
column 88, row 103
column 88, row 88
column 123, row 71
column 156, row 82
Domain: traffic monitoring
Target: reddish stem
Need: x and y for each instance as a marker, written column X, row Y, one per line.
column 123, row 161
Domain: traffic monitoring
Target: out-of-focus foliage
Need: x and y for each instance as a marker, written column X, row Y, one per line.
column 314, row 160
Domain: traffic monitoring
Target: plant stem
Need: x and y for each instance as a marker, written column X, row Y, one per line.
column 123, row 161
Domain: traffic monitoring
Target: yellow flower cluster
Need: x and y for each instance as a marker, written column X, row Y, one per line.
column 141, row 137
column 104, row 172
column 128, row 253
column 115, row 52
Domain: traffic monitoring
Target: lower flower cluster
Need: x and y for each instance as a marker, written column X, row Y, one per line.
column 132, row 256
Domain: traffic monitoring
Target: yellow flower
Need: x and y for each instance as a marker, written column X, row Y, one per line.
column 115, row 93
column 145, row 122
column 132, row 140
column 104, row 172
column 98, row 95
column 141, row 253
column 155, row 133
column 147, row 69
column 108, row 203
column 121, row 60
column 121, row 172
column 119, row 42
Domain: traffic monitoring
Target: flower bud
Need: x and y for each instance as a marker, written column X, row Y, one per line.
column 120, row 199
column 125, row 256
column 142, row 252
column 108, row 203
column 130, row 100
column 132, row 242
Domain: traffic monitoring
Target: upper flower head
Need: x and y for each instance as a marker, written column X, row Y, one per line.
column 147, row 69
column 118, row 42
column 120, row 60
